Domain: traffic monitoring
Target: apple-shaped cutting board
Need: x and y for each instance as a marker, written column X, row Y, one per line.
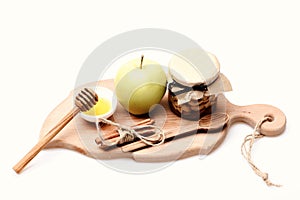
column 79, row 135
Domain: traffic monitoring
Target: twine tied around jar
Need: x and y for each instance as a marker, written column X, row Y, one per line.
column 246, row 149
column 185, row 94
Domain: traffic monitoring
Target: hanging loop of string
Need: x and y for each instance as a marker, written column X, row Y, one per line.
column 246, row 150
column 129, row 134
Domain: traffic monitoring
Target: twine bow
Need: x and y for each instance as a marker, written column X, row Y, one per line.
column 185, row 93
column 128, row 134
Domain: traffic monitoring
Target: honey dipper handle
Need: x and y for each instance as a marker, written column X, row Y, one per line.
column 45, row 140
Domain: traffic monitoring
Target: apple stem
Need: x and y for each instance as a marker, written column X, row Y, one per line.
column 142, row 58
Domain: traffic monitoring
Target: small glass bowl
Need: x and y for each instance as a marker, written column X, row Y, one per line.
column 105, row 93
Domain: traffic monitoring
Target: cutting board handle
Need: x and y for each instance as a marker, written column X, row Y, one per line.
column 252, row 114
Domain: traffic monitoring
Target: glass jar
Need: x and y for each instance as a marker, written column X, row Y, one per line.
column 192, row 91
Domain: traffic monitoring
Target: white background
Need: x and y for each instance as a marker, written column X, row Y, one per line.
column 42, row 48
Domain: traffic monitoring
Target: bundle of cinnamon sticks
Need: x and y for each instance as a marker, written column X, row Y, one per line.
column 211, row 123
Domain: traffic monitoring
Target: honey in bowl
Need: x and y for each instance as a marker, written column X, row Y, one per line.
column 103, row 106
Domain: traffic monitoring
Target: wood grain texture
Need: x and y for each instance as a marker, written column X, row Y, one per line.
column 80, row 135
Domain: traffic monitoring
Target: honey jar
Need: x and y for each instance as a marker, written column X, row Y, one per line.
column 194, row 83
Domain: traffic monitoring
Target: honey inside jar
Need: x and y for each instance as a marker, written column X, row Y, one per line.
column 103, row 106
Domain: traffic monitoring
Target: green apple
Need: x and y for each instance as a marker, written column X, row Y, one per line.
column 140, row 84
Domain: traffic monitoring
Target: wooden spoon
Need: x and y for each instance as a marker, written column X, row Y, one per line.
column 210, row 123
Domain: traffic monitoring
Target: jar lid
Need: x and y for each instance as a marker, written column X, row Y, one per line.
column 194, row 67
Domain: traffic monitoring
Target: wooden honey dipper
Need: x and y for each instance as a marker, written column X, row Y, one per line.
column 84, row 101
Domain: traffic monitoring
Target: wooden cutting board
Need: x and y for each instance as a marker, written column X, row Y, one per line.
column 79, row 135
